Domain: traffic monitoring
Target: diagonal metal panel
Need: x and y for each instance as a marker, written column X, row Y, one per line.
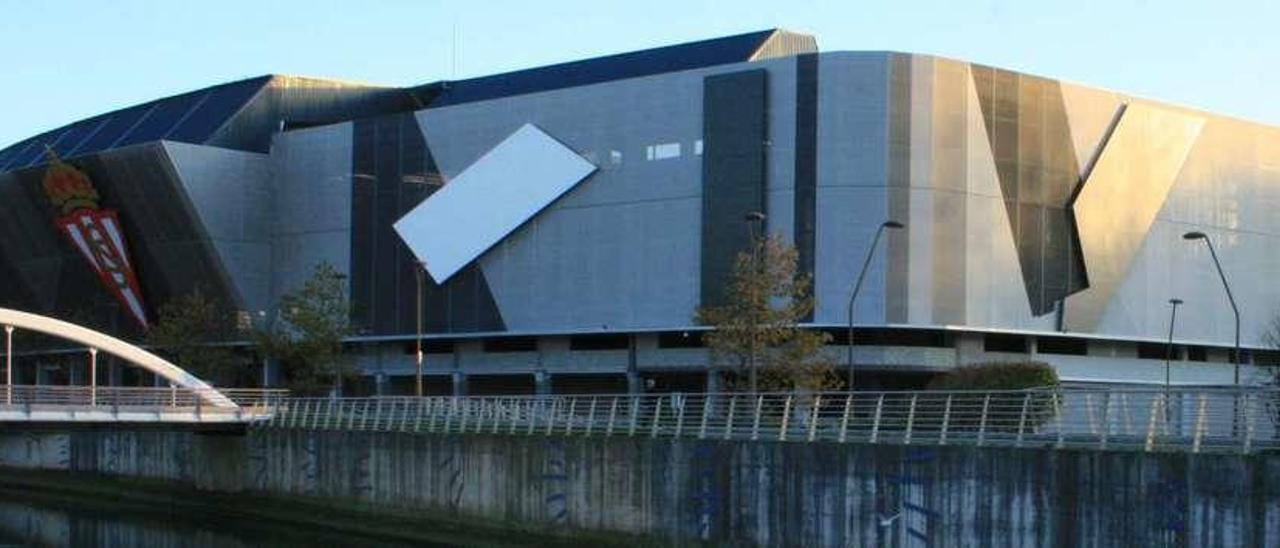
column 510, row 184
column 1120, row 200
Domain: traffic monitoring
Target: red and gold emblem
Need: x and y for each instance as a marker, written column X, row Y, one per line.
column 95, row 232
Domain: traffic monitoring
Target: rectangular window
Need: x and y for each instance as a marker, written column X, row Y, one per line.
column 433, row 346
column 608, row 341
column 992, row 342
column 1062, row 345
column 1197, row 354
column 680, row 339
column 1158, row 351
column 615, row 157
column 662, row 151
column 697, row 147
column 511, row 344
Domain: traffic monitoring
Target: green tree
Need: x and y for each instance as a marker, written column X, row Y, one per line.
column 307, row 339
column 756, row 332
column 195, row 331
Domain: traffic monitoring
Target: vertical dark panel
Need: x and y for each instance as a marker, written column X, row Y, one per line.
column 806, row 170
column 896, row 275
column 733, row 171
column 393, row 171
column 1035, row 160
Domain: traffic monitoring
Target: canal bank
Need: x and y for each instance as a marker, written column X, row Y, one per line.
column 690, row 490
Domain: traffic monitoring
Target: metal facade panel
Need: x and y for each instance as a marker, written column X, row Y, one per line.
column 502, row 190
column 1119, row 201
column 735, row 128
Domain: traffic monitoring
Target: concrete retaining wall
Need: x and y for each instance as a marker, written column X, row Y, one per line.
column 684, row 490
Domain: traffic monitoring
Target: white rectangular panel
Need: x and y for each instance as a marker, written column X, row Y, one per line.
column 482, row 205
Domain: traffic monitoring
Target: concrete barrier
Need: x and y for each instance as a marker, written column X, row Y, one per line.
column 689, row 490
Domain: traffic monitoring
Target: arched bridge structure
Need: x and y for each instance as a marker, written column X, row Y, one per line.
column 187, row 398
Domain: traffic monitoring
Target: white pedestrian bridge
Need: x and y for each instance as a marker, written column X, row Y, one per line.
column 187, row 399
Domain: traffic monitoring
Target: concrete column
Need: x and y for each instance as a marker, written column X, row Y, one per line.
column 542, row 383
column 459, row 383
column 635, row 384
column 714, row 383
column 380, row 384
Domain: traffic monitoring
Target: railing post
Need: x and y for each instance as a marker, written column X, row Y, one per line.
column 728, row 423
column 755, row 426
column 982, row 419
column 911, row 420
column 464, row 409
column 946, row 421
column 1151, row 422
column 679, row 403
column 8, row 365
column 93, row 376
column 1200, row 424
column 657, row 413
column 591, row 416
column 1246, row 410
column 613, row 413
column 875, row 422
column 786, row 418
column 1022, row 419
column 706, row 411
column 1058, row 408
column 844, row 419
column 538, row 403
column 568, row 424
column 551, row 416
column 1106, row 419
column 635, row 415
column 813, row 417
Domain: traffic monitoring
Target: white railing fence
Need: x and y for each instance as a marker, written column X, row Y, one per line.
column 1193, row 420
column 23, row 403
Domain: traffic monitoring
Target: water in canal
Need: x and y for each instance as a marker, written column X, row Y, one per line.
column 29, row 520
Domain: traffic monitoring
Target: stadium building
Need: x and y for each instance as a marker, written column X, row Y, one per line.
column 572, row 218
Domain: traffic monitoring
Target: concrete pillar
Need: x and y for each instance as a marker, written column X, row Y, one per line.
column 459, row 383
column 715, row 384
column 542, row 383
column 635, row 384
column 379, row 384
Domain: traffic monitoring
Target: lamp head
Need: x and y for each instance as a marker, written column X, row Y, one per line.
column 892, row 224
column 754, row 216
column 1175, row 302
column 1196, row 235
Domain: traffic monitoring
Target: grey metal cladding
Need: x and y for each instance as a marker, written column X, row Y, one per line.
column 897, row 277
column 734, row 107
column 171, row 251
column 806, row 162
column 1036, row 161
column 392, row 172
column 231, row 194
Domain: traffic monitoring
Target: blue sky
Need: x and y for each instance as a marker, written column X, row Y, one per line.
column 66, row 60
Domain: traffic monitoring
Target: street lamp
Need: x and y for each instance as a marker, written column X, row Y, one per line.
column 753, row 219
column 1168, row 350
column 1235, row 358
column 419, row 268
column 858, row 285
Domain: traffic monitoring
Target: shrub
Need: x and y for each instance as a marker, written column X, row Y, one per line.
column 997, row 376
column 1004, row 411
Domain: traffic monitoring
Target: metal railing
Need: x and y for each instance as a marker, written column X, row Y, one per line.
column 1194, row 420
column 23, row 403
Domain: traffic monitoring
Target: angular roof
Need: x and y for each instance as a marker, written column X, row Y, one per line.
column 244, row 114
column 740, row 48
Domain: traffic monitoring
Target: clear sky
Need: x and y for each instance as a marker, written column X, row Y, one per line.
column 66, row 60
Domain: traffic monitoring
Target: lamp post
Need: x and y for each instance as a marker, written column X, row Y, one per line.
column 418, row 272
column 753, row 219
column 1168, row 350
column 858, row 285
column 8, row 364
column 1235, row 358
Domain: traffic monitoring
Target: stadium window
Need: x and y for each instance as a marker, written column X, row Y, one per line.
column 1062, row 345
column 995, row 342
column 615, row 157
column 680, row 339
column 1197, row 354
column 610, row 341
column 511, row 344
column 662, row 151
column 697, row 147
column 1158, row 351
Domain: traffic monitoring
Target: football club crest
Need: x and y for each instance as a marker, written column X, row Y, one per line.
column 95, row 232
